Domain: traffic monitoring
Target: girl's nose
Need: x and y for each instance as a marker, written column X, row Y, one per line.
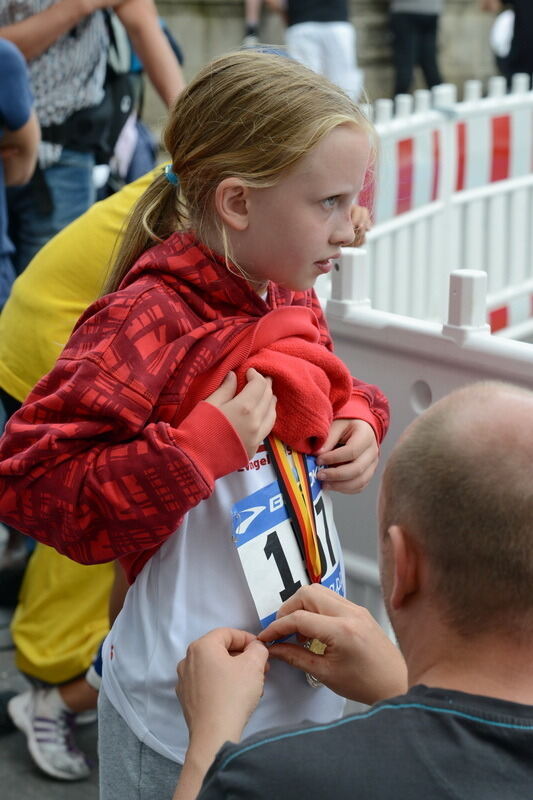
column 344, row 233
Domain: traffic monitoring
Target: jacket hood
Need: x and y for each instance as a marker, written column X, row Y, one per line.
column 193, row 270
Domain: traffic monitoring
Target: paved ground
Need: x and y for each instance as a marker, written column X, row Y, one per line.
column 19, row 778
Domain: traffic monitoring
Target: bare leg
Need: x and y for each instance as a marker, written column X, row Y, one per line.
column 252, row 12
column 78, row 695
column 252, row 15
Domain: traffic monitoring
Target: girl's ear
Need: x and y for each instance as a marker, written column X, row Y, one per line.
column 232, row 203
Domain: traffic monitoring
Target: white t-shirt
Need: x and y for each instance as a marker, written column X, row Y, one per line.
column 196, row 582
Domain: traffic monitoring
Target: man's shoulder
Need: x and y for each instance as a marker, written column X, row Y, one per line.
column 310, row 759
column 410, row 746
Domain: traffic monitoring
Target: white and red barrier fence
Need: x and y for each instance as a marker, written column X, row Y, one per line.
column 453, row 189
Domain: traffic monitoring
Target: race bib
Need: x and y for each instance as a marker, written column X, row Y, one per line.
column 268, row 549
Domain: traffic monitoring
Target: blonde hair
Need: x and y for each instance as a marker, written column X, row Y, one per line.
column 247, row 114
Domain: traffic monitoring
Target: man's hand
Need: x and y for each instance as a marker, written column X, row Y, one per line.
column 350, row 454
column 220, row 682
column 360, row 661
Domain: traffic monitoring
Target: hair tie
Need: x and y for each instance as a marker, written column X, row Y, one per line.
column 171, row 176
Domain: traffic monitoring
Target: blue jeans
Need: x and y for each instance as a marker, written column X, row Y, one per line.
column 71, row 189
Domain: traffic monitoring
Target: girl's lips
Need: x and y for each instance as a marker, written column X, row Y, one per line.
column 325, row 266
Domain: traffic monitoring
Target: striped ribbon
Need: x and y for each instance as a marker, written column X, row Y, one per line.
column 296, row 490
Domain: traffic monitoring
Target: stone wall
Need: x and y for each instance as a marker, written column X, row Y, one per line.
column 207, row 28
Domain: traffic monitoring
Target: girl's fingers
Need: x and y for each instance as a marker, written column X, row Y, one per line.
column 350, row 470
column 353, row 485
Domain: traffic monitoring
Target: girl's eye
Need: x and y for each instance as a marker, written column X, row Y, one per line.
column 329, row 202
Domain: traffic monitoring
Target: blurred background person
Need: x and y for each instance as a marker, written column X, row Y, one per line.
column 83, row 97
column 516, row 55
column 320, row 35
column 19, row 138
column 63, row 610
column 252, row 16
column 66, row 43
column 414, row 25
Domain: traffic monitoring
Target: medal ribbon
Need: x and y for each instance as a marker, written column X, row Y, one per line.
column 296, row 491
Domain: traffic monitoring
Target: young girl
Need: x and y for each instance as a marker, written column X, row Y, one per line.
column 144, row 443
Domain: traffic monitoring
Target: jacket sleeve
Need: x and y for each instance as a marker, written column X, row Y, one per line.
column 85, row 468
column 367, row 401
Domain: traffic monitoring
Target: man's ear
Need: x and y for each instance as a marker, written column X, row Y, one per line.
column 232, row 203
column 405, row 566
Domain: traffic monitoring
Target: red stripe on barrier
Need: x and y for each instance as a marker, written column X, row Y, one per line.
column 436, row 165
column 498, row 319
column 404, row 197
column 501, row 150
column 461, row 157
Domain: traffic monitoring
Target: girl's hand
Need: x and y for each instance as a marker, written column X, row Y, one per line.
column 252, row 412
column 361, row 225
column 351, row 454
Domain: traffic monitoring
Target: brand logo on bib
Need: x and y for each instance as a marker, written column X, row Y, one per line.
column 245, row 524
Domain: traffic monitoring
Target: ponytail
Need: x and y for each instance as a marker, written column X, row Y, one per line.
column 157, row 214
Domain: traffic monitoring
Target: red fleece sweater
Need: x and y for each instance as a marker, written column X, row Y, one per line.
column 114, row 445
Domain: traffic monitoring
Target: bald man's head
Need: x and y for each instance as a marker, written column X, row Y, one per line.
column 460, row 479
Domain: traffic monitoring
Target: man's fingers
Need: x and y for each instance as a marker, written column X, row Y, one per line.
column 299, row 657
column 230, row 639
column 315, row 598
column 256, row 653
column 306, row 623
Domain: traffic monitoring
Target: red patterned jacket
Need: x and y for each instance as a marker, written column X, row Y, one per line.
column 106, row 456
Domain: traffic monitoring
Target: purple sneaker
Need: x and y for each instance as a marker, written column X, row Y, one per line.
column 42, row 716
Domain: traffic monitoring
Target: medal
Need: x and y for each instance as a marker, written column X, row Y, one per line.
column 297, row 495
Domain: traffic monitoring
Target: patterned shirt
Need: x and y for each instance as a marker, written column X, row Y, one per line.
column 70, row 74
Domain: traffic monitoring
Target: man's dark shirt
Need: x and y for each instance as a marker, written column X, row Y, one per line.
column 428, row 743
